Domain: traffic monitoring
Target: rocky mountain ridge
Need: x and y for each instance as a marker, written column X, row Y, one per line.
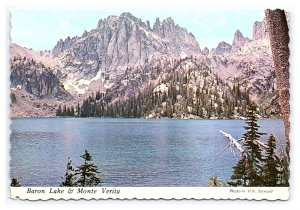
column 35, row 88
column 185, row 89
column 43, row 56
column 117, row 44
column 239, row 40
column 260, row 30
column 123, row 55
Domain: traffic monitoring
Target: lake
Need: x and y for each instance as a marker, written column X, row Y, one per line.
column 129, row 152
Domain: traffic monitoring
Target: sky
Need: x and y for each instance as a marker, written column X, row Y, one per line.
column 42, row 29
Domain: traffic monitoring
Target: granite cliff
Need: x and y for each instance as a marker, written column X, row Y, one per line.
column 124, row 56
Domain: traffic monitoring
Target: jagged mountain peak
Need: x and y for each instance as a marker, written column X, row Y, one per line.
column 157, row 22
column 238, row 33
column 123, row 54
column 239, row 40
column 260, row 30
column 127, row 14
column 164, row 29
column 119, row 43
column 205, row 51
column 168, row 20
column 223, row 47
column 114, row 21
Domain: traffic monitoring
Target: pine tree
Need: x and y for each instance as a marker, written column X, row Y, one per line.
column 68, row 112
column 252, row 148
column 248, row 171
column 88, row 172
column 64, row 112
column 78, row 110
column 15, row 183
column 271, row 168
column 239, row 176
column 13, row 98
column 72, row 112
column 69, row 178
column 284, row 172
column 98, row 96
column 59, row 111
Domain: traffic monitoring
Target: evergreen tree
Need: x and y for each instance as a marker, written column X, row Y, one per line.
column 284, row 172
column 59, row 111
column 98, row 96
column 64, row 112
column 182, row 92
column 69, row 178
column 68, row 112
column 248, row 171
column 272, row 165
column 15, row 183
column 252, row 148
column 239, row 176
column 13, row 98
column 78, row 110
column 72, row 112
column 87, row 172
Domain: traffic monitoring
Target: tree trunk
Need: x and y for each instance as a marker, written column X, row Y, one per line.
column 279, row 39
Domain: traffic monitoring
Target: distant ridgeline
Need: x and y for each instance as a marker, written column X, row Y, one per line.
column 127, row 68
column 36, row 78
column 187, row 89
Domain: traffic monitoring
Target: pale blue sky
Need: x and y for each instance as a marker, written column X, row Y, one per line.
column 41, row 29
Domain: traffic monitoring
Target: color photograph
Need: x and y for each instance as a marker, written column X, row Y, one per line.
column 149, row 98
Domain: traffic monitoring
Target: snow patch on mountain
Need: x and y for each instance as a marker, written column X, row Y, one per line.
column 183, row 55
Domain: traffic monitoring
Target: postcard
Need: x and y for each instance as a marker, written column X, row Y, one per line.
column 144, row 104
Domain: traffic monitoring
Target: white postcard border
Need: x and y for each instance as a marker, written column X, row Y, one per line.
column 279, row 193
column 153, row 193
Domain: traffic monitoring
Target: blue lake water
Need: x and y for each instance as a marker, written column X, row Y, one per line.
column 129, row 152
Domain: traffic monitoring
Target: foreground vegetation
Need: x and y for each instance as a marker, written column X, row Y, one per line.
column 84, row 175
column 260, row 165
